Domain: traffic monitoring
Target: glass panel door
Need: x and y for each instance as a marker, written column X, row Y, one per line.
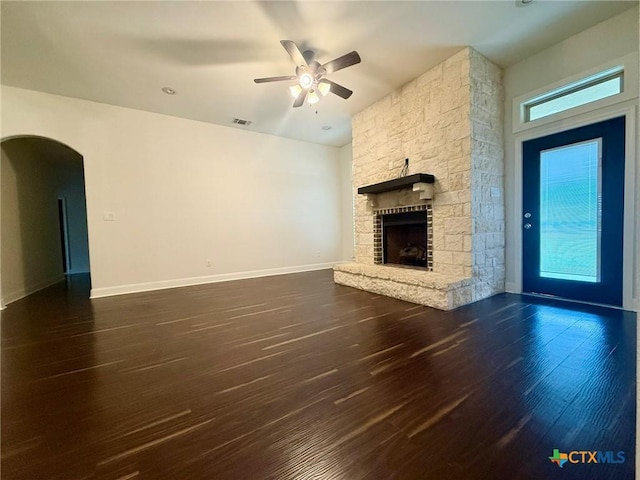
column 573, row 200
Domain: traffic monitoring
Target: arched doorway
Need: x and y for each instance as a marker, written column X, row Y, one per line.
column 43, row 216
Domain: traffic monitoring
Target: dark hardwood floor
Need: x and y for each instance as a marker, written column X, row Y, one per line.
column 294, row 377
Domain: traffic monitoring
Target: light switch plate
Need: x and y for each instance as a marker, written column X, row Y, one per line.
column 108, row 216
column 495, row 192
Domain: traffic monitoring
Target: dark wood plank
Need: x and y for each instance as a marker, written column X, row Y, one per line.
column 296, row 377
column 397, row 183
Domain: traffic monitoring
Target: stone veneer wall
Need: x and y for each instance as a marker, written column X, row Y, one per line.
column 487, row 175
column 448, row 122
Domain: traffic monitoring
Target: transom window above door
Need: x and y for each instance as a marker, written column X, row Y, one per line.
column 590, row 89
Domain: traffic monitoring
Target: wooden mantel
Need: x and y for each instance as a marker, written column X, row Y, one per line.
column 397, row 183
column 418, row 182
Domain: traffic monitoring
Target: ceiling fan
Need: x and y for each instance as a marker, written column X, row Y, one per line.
column 310, row 75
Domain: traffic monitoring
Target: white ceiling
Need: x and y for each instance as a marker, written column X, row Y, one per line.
column 123, row 53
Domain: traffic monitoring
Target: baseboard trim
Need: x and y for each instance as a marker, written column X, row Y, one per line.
column 186, row 282
column 15, row 296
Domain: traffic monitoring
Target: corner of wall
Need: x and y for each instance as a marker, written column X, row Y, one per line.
column 27, row 290
column 487, row 176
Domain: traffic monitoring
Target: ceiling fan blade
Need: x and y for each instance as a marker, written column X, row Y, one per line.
column 344, row 61
column 275, row 79
column 338, row 89
column 300, row 99
column 294, row 52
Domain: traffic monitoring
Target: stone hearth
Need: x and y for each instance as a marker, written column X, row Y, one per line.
column 427, row 288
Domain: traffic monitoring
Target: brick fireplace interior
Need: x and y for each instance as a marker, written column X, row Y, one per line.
column 403, row 236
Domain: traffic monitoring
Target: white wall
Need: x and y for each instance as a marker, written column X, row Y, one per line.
column 184, row 192
column 31, row 251
column 602, row 43
column 2, row 302
column 345, row 155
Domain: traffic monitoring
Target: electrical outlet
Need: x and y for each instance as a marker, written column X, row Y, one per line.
column 109, row 216
column 390, row 164
column 208, row 263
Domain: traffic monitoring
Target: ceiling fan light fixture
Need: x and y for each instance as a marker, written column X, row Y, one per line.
column 324, row 88
column 305, row 80
column 309, row 75
column 295, row 90
column 313, row 97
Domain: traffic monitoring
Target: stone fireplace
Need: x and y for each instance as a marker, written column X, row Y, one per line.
column 447, row 122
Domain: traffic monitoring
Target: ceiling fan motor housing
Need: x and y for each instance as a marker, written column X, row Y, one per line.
column 309, row 56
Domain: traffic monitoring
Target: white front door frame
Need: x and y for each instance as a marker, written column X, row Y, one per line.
column 631, row 221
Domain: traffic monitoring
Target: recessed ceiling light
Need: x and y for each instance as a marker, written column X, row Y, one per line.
column 326, row 127
column 168, row 90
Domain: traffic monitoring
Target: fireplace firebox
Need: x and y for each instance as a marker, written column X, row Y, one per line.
column 402, row 236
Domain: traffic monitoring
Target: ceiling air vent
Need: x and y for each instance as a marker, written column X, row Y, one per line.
column 244, row 123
